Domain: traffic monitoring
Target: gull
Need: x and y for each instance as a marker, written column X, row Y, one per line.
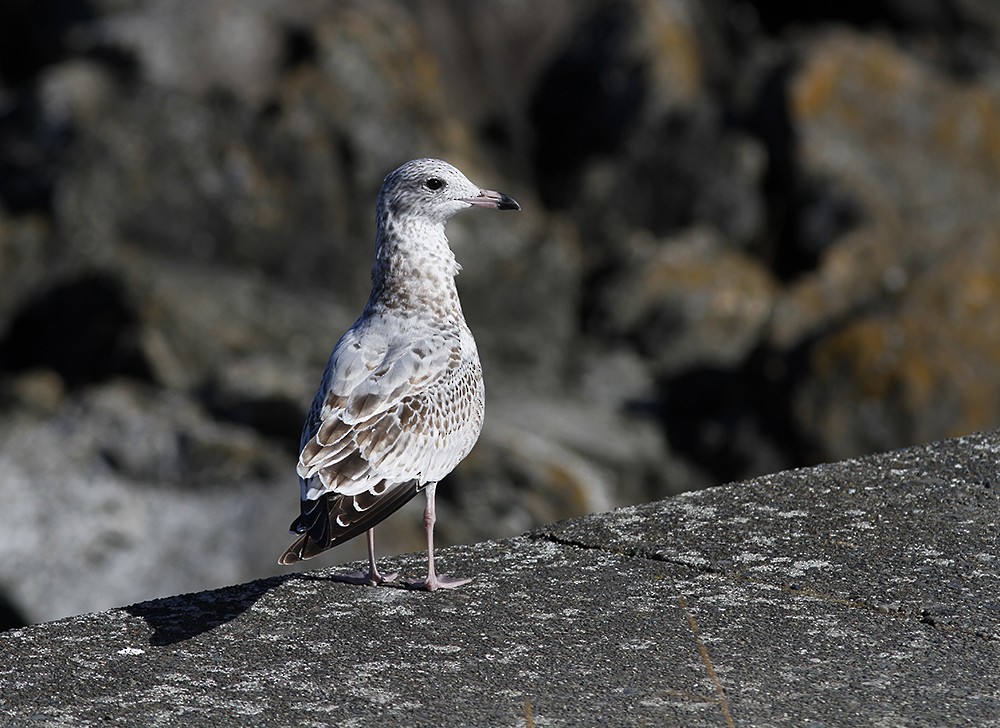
column 401, row 401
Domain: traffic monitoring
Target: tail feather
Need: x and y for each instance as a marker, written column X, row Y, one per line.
column 327, row 522
column 303, row 548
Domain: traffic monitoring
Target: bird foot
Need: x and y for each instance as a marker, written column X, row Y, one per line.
column 433, row 583
column 366, row 578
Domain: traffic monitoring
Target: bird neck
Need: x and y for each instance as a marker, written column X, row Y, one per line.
column 415, row 269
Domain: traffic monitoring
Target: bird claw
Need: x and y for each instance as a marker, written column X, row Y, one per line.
column 437, row 582
column 366, row 578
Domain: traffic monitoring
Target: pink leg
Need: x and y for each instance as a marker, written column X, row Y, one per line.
column 372, row 577
column 433, row 581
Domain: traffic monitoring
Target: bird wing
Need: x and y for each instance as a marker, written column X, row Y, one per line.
column 363, row 432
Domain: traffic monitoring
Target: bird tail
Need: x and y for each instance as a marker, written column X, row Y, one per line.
column 332, row 519
column 314, row 525
column 303, row 548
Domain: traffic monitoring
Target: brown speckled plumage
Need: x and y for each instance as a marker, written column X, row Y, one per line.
column 401, row 402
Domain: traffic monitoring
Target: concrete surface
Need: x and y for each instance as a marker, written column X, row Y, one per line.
column 865, row 592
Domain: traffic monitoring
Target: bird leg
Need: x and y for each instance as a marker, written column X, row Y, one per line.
column 372, row 577
column 433, row 580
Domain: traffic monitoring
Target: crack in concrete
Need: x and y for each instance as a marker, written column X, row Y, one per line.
column 921, row 616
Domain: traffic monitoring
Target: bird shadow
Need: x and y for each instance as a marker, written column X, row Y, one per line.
column 350, row 578
column 179, row 618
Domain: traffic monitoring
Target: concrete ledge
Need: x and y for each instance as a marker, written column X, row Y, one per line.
column 863, row 592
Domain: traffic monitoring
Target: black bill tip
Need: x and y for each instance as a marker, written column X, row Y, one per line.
column 506, row 202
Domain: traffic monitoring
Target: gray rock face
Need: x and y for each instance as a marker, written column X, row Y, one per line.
column 118, row 494
column 861, row 592
column 752, row 239
column 691, row 301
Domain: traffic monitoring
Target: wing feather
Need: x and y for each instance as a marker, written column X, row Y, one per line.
column 359, row 451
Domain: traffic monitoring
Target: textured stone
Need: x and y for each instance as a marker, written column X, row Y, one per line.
column 862, row 592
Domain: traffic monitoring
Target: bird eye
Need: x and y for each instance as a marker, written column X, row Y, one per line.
column 434, row 183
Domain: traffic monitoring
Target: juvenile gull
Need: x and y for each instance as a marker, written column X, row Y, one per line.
column 401, row 400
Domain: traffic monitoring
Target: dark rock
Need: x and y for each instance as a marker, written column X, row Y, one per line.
column 29, row 260
column 39, row 392
column 918, row 272
column 34, row 35
column 690, row 301
column 232, row 47
column 86, row 330
column 680, row 171
column 150, row 436
column 587, row 101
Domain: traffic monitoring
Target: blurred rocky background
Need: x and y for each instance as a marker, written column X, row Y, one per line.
column 755, row 236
